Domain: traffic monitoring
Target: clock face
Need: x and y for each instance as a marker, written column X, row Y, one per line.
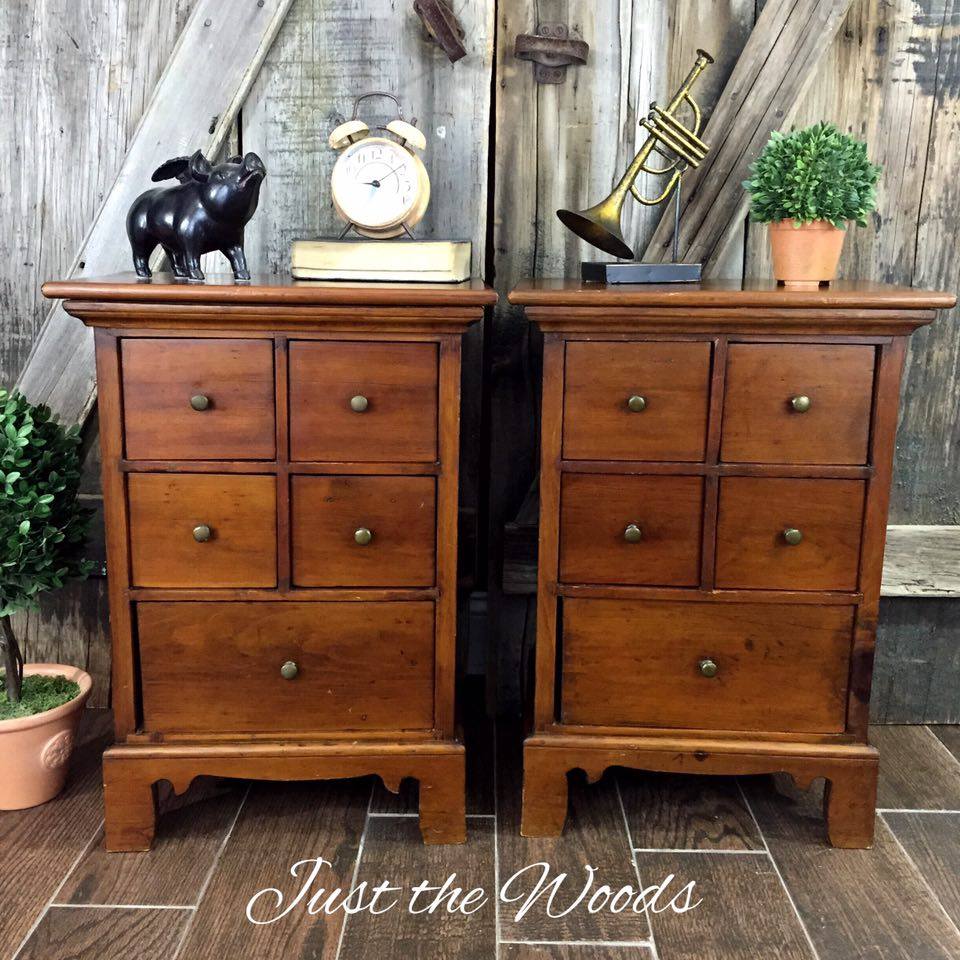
column 377, row 184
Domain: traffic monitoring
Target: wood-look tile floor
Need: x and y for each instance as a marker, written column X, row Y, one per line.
column 769, row 886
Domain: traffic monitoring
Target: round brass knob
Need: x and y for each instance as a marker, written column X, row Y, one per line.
column 202, row 533
column 633, row 534
column 637, row 404
column 800, row 404
column 289, row 670
column 359, row 403
column 793, row 536
column 708, row 668
column 200, row 402
column 363, row 536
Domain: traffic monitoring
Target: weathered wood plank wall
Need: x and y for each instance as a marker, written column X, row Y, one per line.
column 504, row 154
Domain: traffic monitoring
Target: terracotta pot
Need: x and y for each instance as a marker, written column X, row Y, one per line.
column 805, row 255
column 35, row 751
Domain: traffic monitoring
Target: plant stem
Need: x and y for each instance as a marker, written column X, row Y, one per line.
column 12, row 661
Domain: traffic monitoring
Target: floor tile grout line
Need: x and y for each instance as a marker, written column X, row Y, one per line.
column 496, row 845
column 776, row 868
column 708, row 852
column 121, row 906
column 56, row 893
column 919, row 873
column 950, row 753
column 356, row 870
column 636, row 865
column 580, row 943
column 188, row 926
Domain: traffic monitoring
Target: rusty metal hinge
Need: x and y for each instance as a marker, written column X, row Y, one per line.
column 442, row 25
column 552, row 50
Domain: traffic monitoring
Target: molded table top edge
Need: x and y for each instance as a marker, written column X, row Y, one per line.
column 728, row 293
column 269, row 290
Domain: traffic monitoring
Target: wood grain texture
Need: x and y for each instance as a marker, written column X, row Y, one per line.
column 922, row 561
column 916, row 772
column 399, row 382
column 192, row 829
column 850, row 899
column 950, row 737
column 216, row 669
column 221, row 55
column 932, row 841
column 391, row 850
column 635, row 662
column 241, row 513
column 744, row 910
column 160, row 377
column 279, row 826
column 400, row 513
column 754, row 513
column 66, row 934
column 759, row 424
column 672, row 378
column 776, row 64
column 669, row 812
column 566, row 951
column 595, row 512
column 38, row 845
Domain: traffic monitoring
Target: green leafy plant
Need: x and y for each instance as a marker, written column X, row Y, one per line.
column 42, row 524
column 818, row 173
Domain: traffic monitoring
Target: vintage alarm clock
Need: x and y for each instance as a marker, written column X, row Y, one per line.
column 380, row 186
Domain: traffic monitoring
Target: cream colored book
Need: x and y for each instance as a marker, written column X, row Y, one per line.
column 424, row 261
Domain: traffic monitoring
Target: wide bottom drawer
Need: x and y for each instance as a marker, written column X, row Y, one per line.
column 285, row 667
column 706, row 666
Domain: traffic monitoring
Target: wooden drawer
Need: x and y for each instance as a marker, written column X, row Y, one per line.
column 599, row 545
column 634, row 662
column 330, row 515
column 673, row 380
column 753, row 549
column 166, row 511
column 393, row 387
column 760, row 424
column 215, row 667
column 161, row 378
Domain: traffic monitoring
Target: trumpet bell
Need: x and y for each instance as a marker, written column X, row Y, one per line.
column 600, row 226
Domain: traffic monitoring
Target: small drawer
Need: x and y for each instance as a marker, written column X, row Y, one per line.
column 202, row 530
column 286, row 668
column 636, row 530
column 636, row 401
column 798, row 403
column 201, row 399
column 706, row 665
column 364, row 531
column 363, row 402
column 776, row 534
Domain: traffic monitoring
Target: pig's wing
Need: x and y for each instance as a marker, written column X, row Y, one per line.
column 176, row 169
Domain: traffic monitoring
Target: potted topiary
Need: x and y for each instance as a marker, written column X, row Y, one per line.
column 808, row 185
column 42, row 532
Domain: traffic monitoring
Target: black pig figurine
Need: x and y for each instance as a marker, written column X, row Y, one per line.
column 207, row 210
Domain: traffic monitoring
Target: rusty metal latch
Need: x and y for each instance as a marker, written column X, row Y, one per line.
column 442, row 25
column 552, row 50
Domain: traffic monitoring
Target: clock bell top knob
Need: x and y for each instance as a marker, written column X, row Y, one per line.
column 348, row 133
column 408, row 133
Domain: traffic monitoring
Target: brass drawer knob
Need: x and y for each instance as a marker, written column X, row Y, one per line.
column 359, row 403
column 708, row 668
column 363, row 536
column 289, row 670
column 633, row 534
column 800, row 404
column 199, row 402
column 637, row 404
column 202, row 533
column 793, row 536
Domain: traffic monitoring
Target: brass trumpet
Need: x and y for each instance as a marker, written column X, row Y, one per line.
column 680, row 146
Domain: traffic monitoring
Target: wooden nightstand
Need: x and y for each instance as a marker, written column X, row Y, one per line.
column 280, row 471
column 715, row 477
